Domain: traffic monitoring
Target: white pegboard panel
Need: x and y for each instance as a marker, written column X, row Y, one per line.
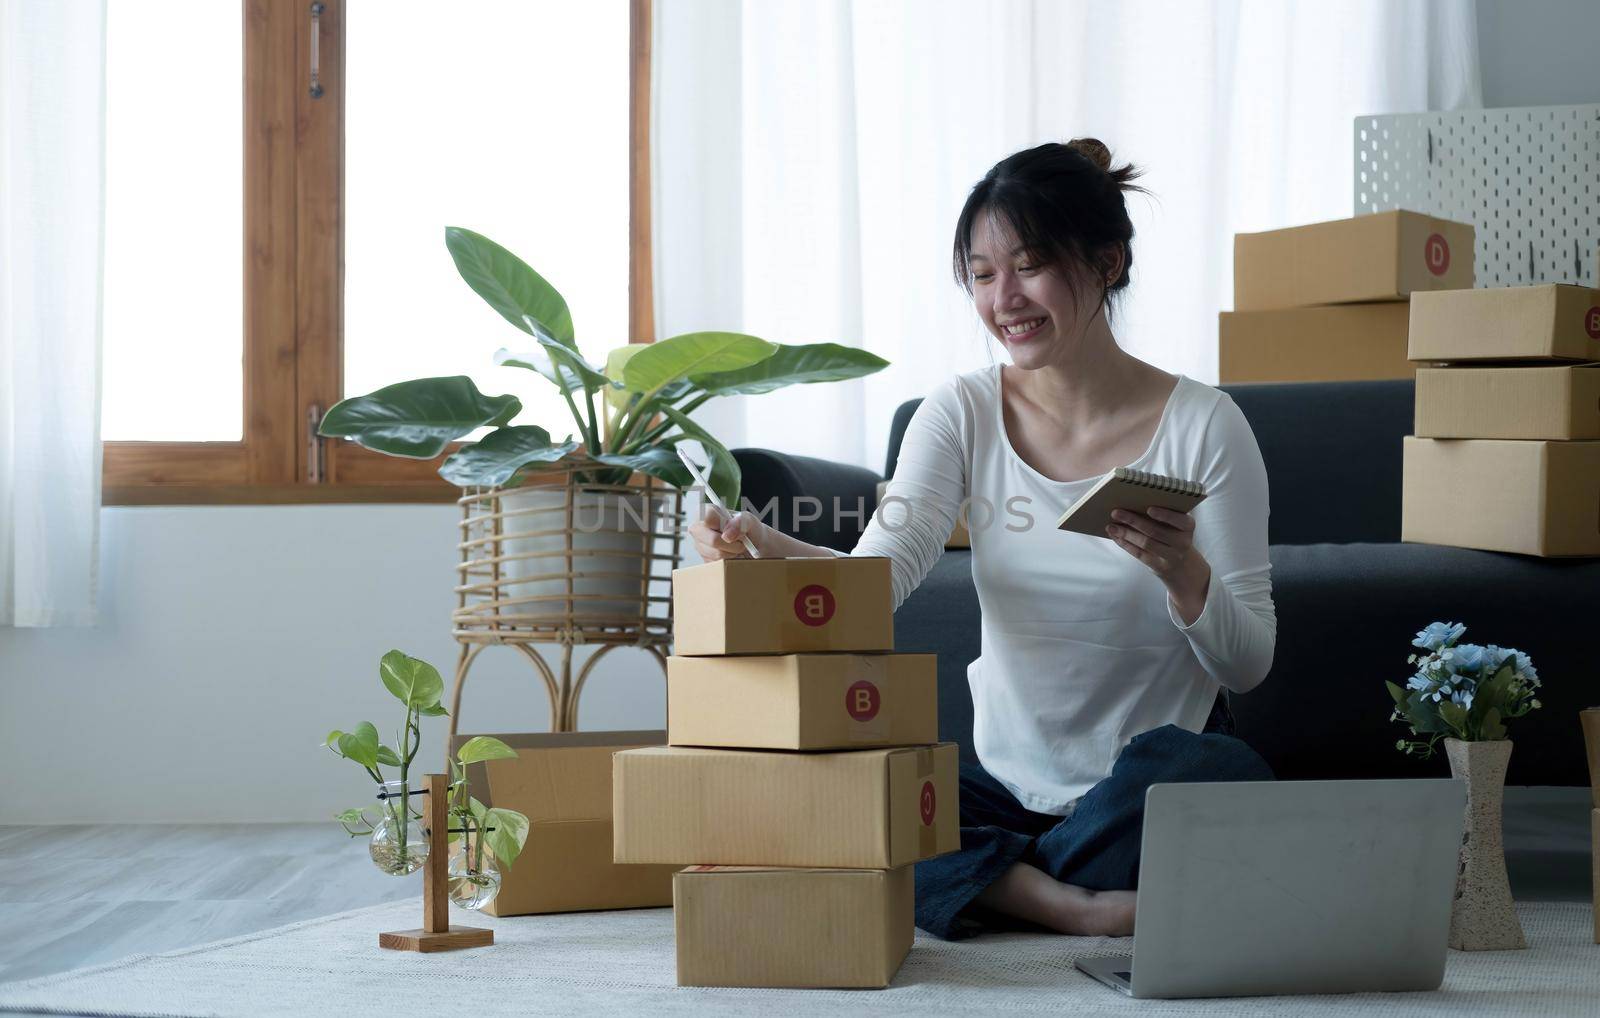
column 1527, row 179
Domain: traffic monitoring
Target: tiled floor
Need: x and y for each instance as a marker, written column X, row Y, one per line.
column 74, row 896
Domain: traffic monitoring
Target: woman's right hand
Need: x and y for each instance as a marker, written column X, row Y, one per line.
column 717, row 537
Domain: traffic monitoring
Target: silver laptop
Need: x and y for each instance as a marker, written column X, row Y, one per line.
column 1250, row 888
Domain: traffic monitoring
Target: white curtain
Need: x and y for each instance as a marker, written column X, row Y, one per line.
column 52, row 102
column 811, row 156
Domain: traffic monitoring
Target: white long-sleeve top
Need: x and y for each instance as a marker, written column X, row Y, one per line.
column 1081, row 649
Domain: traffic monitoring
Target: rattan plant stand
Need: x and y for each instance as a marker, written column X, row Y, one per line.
column 559, row 562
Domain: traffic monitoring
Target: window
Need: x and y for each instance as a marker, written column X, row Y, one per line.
column 320, row 271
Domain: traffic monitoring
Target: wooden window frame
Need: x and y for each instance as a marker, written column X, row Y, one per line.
column 294, row 287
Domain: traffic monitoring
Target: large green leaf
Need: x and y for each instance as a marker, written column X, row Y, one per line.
column 484, row 747
column 616, row 362
column 693, row 353
column 418, row 418
column 726, row 478
column 510, row 832
column 508, row 284
column 413, row 682
column 658, row 461
column 497, row 458
column 360, row 745
column 793, row 365
column 567, row 369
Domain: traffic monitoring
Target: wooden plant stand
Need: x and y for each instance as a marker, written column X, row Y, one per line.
column 436, row 933
column 510, row 596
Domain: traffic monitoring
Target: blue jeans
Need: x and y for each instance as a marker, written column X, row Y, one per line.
column 1097, row 847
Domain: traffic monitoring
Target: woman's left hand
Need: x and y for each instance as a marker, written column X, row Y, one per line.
column 1164, row 541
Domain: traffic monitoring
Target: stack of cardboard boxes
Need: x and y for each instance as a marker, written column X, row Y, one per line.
column 800, row 782
column 1328, row 302
column 1506, row 455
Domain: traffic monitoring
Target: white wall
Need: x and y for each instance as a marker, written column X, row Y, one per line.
column 1539, row 52
column 231, row 641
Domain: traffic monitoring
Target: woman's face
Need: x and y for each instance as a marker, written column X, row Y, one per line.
column 1028, row 307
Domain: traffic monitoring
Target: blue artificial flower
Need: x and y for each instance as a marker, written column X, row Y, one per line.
column 1439, row 634
column 1462, row 698
column 1419, row 682
column 1525, row 667
column 1467, row 658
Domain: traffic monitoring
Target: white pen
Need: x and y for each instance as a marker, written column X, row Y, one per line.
column 705, row 486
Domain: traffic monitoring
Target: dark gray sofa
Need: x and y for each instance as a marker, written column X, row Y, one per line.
column 1349, row 595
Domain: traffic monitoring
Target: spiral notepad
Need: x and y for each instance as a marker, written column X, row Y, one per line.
column 1133, row 490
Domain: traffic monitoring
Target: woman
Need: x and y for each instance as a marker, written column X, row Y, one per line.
column 1102, row 659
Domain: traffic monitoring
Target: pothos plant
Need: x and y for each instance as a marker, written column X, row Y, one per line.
column 418, row 686
column 648, row 391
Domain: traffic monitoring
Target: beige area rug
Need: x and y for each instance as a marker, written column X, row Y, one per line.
column 622, row 963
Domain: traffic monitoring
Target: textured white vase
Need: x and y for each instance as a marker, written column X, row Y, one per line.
column 1483, row 916
column 603, row 522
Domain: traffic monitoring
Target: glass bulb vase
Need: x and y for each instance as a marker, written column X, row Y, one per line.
column 473, row 874
column 398, row 845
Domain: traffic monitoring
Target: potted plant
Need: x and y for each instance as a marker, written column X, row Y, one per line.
column 1464, row 694
column 648, row 394
column 481, row 840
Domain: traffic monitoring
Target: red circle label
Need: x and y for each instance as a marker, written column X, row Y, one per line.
column 928, row 803
column 814, row 605
column 1591, row 322
column 862, row 700
column 1437, row 254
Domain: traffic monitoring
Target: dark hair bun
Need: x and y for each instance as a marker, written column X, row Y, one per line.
column 1094, row 149
column 1065, row 202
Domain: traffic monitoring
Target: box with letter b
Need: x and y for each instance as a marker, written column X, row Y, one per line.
column 782, row 606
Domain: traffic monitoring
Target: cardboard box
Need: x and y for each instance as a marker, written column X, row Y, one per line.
column 1382, row 256
column 1535, row 323
column 1559, row 403
column 959, row 537
column 868, row 809
column 763, row 926
column 1535, row 498
column 1332, row 343
column 782, row 606
column 562, row 782
column 803, row 701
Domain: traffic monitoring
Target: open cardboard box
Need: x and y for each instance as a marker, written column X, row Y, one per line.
column 783, row 606
column 1560, row 402
column 803, row 701
column 766, row 926
column 1535, row 498
column 562, row 782
column 866, row 809
column 1555, row 322
column 1375, row 257
column 1331, row 343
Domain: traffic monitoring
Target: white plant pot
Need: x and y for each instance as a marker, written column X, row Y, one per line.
column 602, row 522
